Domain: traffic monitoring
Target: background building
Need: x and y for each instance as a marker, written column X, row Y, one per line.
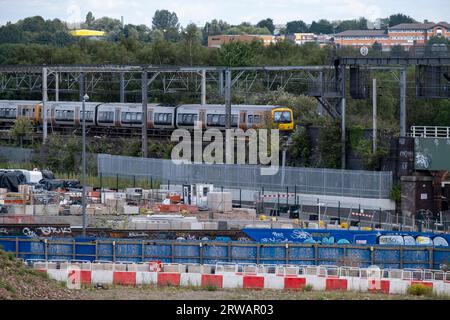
column 405, row 34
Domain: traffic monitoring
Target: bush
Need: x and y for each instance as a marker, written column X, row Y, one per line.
column 419, row 289
column 308, row 288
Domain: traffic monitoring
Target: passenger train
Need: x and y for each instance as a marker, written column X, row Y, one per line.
column 129, row 115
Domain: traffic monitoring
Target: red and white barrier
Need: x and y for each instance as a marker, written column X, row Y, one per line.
column 320, row 278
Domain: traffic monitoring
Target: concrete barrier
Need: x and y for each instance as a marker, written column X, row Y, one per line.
column 250, row 277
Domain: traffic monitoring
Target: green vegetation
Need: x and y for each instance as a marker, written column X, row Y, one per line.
column 22, row 128
column 419, row 289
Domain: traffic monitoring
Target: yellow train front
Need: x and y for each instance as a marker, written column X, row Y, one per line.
column 284, row 119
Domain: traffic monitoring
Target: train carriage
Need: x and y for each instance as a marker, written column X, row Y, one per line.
column 129, row 115
column 11, row 110
column 70, row 113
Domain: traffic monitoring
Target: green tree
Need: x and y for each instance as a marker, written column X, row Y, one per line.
column 329, row 146
column 235, row 54
column 21, row 129
column 321, row 27
column 357, row 24
column 89, row 19
column 296, row 27
column 266, row 23
column 399, row 18
column 439, row 40
column 300, row 149
column 167, row 22
column 247, row 28
column 191, row 36
column 215, row 27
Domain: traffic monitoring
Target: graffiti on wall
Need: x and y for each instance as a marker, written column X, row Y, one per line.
column 345, row 237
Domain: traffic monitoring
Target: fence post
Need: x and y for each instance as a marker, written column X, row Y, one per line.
column 359, row 217
column 379, row 218
column 114, row 251
column 151, row 183
column 287, row 196
column 295, row 194
column 117, row 181
column 17, row 247
column 134, row 181
column 278, row 201
column 45, row 249
column 168, row 185
column 229, row 251
column 262, row 200
column 201, row 253
column 143, row 251
column 430, row 258
column 316, row 254
column 96, row 249
column 258, row 253
column 240, row 197
column 339, row 212
column 401, row 257
column 101, row 181
column 287, row 253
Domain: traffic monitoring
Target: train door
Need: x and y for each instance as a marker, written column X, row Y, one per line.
column 77, row 116
column 202, row 118
column 150, row 121
column 117, row 117
column 187, row 194
column 242, row 120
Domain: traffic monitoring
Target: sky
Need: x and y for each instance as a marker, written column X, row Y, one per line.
column 232, row 11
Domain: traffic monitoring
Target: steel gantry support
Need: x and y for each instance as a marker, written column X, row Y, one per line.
column 228, row 98
column 203, row 88
column 122, row 87
column 343, row 124
column 403, row 102
column 144, row 85
column 44, row 104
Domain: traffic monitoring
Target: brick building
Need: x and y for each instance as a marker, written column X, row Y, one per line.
column 405, row 34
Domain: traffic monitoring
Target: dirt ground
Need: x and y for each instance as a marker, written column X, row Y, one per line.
column 172, row 293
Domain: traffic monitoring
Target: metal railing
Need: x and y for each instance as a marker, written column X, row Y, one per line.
column 350, row 183
column 372, row 272
column 229, row 253
column 430, row 132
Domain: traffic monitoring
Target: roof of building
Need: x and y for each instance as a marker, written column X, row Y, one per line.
column 87, row 33
column 419, row 26
column 362, row 33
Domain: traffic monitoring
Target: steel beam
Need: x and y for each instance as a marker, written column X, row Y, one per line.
column 403, row 103
column 144, row 87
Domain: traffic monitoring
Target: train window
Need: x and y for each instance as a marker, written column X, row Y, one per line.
column 163, row 118
column 64, row 115
column 8, row 113
column 250, row 119
column 282, row 116
column 88, row 114
column 257, row 119
column 219, row 120
column 132, row 117
column 187, row 119
column 106, row 116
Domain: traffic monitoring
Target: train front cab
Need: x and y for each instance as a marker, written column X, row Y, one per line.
column 284, row 118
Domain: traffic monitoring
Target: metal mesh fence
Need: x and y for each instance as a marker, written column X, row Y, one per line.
column 348, row 183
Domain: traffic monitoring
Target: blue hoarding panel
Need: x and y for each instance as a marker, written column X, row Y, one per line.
column 301, row 255
column 158, row 251
column 213, row 253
